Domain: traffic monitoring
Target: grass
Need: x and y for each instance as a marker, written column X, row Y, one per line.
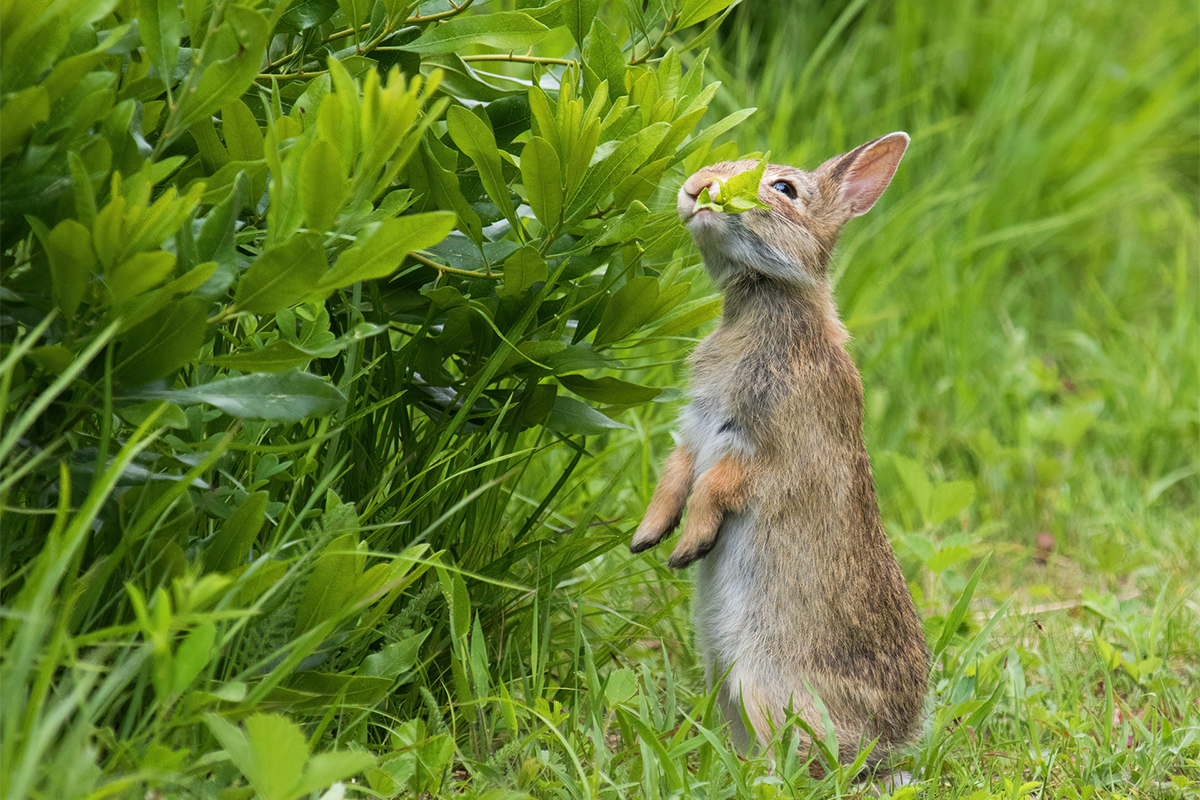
column 1024, row 308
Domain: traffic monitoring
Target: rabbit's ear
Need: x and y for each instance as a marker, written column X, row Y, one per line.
column 854, row 181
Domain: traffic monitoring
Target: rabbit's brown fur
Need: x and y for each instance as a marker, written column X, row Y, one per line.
column 798, row 591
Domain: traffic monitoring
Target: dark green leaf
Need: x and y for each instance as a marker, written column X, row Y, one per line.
column 475, row 139
column 282, row 354
column 286, row 397
column 164, row 342
column 573, row 417
column 356, row 11
column 631, row 307
column 522, row 270
column 232, row 543
column 608, row 390
column 509, row 117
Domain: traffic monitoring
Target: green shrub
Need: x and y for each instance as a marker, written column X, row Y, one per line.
column 294, row 294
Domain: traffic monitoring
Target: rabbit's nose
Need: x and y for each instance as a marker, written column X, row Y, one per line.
column 693, row 190
column 689, row 193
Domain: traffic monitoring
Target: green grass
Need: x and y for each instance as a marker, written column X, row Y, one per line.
column 1024, row 306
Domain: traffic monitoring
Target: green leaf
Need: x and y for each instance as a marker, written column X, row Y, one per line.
column 945, row 557
column 444, row 190
column 278, row 356
column 283, row 354
column 233, row 741
column 193, row 655
column 955, row 617
column 689, row 315
column 138, row 273
column 573, row 417
column 278, row 752
column 286, row 397
column 603, row 56
column 232, row 543
column 694, row 11
column 331, row 587
column 542, row 176
column 603, row 176
column 357, row 11
column 148, row 303
column 712, row 132
column 621, row 685
column 54, row 358
column 454, row 590
column 522, row 270
column 242, row 39
column 578, row 16
column 948, row 499
column 573, row 357
column 630, row 308
column 282, row 276
column 322, row 185
column 69, row 249
column 22, row 111
column 736, row 193
column 383, row 251
column 608, row 390
column 915, row 480
column 243, row 137
column 396, row 659
column 475, row 139
column 325, row 769
column 158, row 24
column 504, row 30
column 164, row 342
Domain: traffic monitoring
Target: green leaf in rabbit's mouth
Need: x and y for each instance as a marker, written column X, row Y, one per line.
column 736, row 193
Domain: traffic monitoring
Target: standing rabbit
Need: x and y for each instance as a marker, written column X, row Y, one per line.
column 798, row 591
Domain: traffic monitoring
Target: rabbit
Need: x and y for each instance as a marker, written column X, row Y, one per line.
column 798, row 591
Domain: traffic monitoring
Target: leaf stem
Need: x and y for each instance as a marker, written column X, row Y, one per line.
column 518, row 59
column 443, row 269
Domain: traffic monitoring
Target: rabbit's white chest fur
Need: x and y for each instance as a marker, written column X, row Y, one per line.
column 725, row 589
column 705, row 426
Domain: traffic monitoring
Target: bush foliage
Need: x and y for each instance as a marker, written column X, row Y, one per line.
column 262, row 257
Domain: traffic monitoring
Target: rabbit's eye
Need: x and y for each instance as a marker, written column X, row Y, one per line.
column 785, row 188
